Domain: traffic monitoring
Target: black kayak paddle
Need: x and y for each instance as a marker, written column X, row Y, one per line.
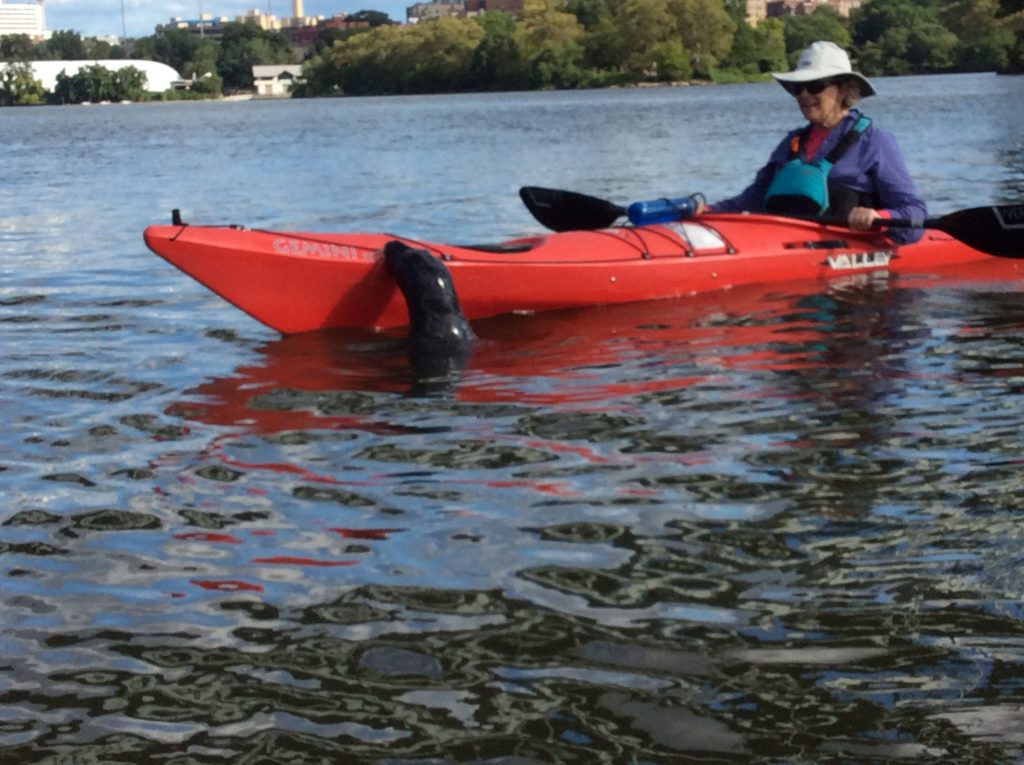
column 996, row 230
column 569, row 210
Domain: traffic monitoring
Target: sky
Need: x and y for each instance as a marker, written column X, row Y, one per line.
column 91, row 18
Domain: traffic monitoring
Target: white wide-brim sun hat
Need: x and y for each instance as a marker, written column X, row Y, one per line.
column 821, row 60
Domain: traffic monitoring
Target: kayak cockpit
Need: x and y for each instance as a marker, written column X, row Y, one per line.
column 507, row 248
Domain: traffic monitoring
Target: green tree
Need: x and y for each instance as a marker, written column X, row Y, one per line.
column 328, row 37
column 16, row 48
column 375, row 18
column 705, row 29
column 429, row 57
column 193, row 57
column 90, row 83
column 243, row 45
column 591, row 13
column 758, row 50
column 320, row 76
column 672, row 61
column 642, row 26
column 435, row 57
column 98, row 49
column 496, row 63
column 602, row 49
column 208, row 84
column 18, row 85
column 129, row 84
column 203, row 63
column 901, row 37
column 984, row 41
column 1014, row 20
column 102, row 82
column 929, row 47
column 176, row 48
column 549, row 39
column 560, row 68
column 65, row 90
column 97, row 83
column 919, row 49
column 143, row 48
column 737, row 10
column 600, row 39
column 63, row 45
column 823, row 23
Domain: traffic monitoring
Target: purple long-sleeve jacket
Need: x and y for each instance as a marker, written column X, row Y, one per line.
column 873, row 165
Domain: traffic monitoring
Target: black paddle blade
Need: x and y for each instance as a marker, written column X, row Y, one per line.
column 997, row 230
column 568, row 210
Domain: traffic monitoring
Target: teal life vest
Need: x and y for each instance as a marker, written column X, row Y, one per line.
column 802, row 188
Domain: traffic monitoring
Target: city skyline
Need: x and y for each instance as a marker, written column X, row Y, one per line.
column 100, row 18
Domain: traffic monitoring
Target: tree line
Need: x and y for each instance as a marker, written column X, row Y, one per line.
column 551, row 44
column 595, row 43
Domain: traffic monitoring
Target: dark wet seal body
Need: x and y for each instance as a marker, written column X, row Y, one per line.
column 440, row 337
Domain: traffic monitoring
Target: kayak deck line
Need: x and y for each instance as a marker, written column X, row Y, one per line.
column 514, row 246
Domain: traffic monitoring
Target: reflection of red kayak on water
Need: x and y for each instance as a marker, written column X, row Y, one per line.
column 296, row 282
column 314, row 379
column 295, row 414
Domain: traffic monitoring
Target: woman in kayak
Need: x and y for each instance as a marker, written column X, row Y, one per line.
column 840, row 164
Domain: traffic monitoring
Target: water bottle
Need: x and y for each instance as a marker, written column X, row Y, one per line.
column 663, row 210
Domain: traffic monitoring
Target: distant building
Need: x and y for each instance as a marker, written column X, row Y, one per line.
column 23, row 19
column 511, row 7
column 780, row 8
column 205, row 26
column 757, row 11
column 275, row 80
column 845, row 7
column 159, row 77
column 263, row 20
column 459, row 9
column 435, row 10
column 307, row 34
column 302, row 31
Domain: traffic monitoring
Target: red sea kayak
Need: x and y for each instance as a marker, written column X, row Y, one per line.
column 297, row 282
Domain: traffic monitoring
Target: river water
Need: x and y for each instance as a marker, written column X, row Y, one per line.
column 758, row 526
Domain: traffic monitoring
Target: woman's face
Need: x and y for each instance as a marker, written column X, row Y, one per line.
column 824, row 108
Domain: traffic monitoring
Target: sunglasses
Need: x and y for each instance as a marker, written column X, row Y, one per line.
column 814, row 87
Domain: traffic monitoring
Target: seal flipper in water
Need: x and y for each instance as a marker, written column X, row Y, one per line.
column 440, row 338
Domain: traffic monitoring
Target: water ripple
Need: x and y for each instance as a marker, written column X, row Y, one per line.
column 760, row 526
